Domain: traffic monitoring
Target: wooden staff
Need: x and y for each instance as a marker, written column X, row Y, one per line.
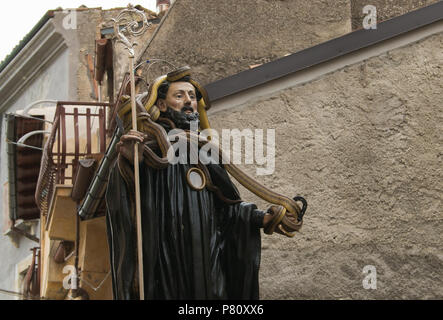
column 132, row 28
column 137, row 187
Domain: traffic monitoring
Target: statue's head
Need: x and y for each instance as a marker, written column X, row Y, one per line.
column 175, row 96
column 178, row 97
column 178, row 101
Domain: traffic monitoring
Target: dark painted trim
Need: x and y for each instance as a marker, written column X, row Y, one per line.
column 325, row 51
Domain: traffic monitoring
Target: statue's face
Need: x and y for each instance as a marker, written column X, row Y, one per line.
column 180, row 97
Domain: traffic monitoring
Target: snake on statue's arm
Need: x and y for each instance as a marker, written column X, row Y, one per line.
column 157, row 136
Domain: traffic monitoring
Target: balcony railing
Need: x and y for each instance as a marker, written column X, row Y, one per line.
column 72, row 138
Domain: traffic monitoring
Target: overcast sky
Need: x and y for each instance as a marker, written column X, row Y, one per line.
column 18, row 17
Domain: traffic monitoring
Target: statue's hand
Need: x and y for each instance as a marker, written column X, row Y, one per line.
column 273, row 218
column 126, row 145
column 270, row 215
column 290, row 223
column 281, row 221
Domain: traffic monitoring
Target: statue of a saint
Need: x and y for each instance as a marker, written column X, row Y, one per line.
column 200, row 240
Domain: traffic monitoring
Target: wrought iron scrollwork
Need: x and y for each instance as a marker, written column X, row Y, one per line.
column 130, row 22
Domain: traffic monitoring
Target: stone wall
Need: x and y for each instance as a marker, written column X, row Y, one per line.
column 386, row 9
column 364, row 145
column 221, row 38
column 81, row 42
column 88, row 22
column 120, row 56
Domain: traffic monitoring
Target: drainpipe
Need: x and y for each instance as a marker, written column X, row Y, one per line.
column 98, row 185
column 10, row 135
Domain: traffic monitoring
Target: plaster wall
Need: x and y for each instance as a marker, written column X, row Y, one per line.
column 363, row 144
column 49, row 84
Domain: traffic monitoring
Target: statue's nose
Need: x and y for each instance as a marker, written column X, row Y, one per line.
column 187, row 99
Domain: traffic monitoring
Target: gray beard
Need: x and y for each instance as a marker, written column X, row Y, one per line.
column 182, row 120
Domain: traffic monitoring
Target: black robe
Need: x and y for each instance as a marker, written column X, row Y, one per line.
column 195, row 246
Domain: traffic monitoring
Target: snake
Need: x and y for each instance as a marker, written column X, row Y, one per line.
column 158, row 138
column 148, row 118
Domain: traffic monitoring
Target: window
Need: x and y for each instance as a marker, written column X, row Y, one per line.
column 23, row 166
